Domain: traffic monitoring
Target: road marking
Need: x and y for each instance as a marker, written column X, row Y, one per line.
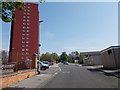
column 66, row 72
column 60, row 69
column 56, row 73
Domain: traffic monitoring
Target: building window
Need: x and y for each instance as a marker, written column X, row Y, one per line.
column 28, row 7
column 24, row 6
column 28, row 13
column 24, row 23
column 28, row 10
column 27, row 41
column 23, row 26
column 23, row 41
column 23, row 45
column 109, row 51
column 24, row 9
column 27, row 38
column 23, row 34
column 28, row 30
column 28, row 16
column 23, row 49
column 23, row 38
column 24, row 3
column 28, row 23
column 27, row 49
column 24, row 20
column 23, row 30
column 26, row 57
column 22, row 57
column 27, row 45
column 24, row 16
column 27, row 34
column 28, row 3
column 22, row 53
column 27, row 53
column 24, row 13
column 28, row 27
column 28, row 20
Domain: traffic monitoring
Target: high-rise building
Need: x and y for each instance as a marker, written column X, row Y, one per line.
column 24, row 33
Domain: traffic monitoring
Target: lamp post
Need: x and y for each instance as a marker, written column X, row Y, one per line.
column 39, row 52
column 40, row 44
column 40, row 21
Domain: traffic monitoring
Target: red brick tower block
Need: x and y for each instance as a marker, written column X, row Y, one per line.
column 25, row 33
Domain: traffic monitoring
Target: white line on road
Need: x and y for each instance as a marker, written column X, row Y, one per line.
column 66, row 72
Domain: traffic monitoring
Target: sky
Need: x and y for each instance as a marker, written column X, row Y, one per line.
column 74, row 26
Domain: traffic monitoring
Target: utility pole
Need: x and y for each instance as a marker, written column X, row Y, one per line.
column 51, row 59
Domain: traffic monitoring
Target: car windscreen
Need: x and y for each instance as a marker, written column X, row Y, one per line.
column 41, row 62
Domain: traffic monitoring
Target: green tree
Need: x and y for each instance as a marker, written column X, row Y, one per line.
column 58, row 59
column 54, row 56
column 81, row 59
column 4, row 56
column 49, row 57
column 74, row 53
column 8, row 8
column 69, row 58
column 77, row 53
column 45, row 57
column 63, row 56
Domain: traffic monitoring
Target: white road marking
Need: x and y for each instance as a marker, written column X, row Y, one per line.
column 66, row 72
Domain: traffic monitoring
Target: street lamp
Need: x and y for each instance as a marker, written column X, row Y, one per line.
column 40, row 21
column 40, row 44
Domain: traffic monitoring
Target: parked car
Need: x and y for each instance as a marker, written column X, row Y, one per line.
column 10, row 65
column 65, row 62
column 46, row 62
column 43, row 66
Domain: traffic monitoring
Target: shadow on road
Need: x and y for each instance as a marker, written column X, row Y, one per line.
column 94, row 70
column 116, row 74
column 14, row 88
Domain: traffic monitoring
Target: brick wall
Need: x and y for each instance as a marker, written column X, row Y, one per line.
column 13, row 78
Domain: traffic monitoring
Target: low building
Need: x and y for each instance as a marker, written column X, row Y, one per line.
column 111, row 57
column 76, row 61
column 91, row 58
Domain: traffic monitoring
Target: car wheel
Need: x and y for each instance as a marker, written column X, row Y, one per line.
column 43, row 68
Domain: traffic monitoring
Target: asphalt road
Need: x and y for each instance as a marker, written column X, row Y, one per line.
column 74, row 76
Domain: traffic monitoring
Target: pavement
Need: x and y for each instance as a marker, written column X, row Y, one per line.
column 115, row 72
column 6, row 71
column 39, row 80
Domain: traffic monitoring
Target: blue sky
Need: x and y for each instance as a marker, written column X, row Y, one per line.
column 74, row 26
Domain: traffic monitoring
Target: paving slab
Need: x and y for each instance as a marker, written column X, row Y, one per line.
column 39, row 80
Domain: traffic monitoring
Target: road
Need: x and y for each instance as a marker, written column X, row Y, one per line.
column 74, row 76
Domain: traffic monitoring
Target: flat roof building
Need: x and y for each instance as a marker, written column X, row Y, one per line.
column 111, row 57
column 24, row 33
column 91, row 58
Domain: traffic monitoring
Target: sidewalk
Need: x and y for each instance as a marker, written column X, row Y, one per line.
column 115, row 73
column 38, row 81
